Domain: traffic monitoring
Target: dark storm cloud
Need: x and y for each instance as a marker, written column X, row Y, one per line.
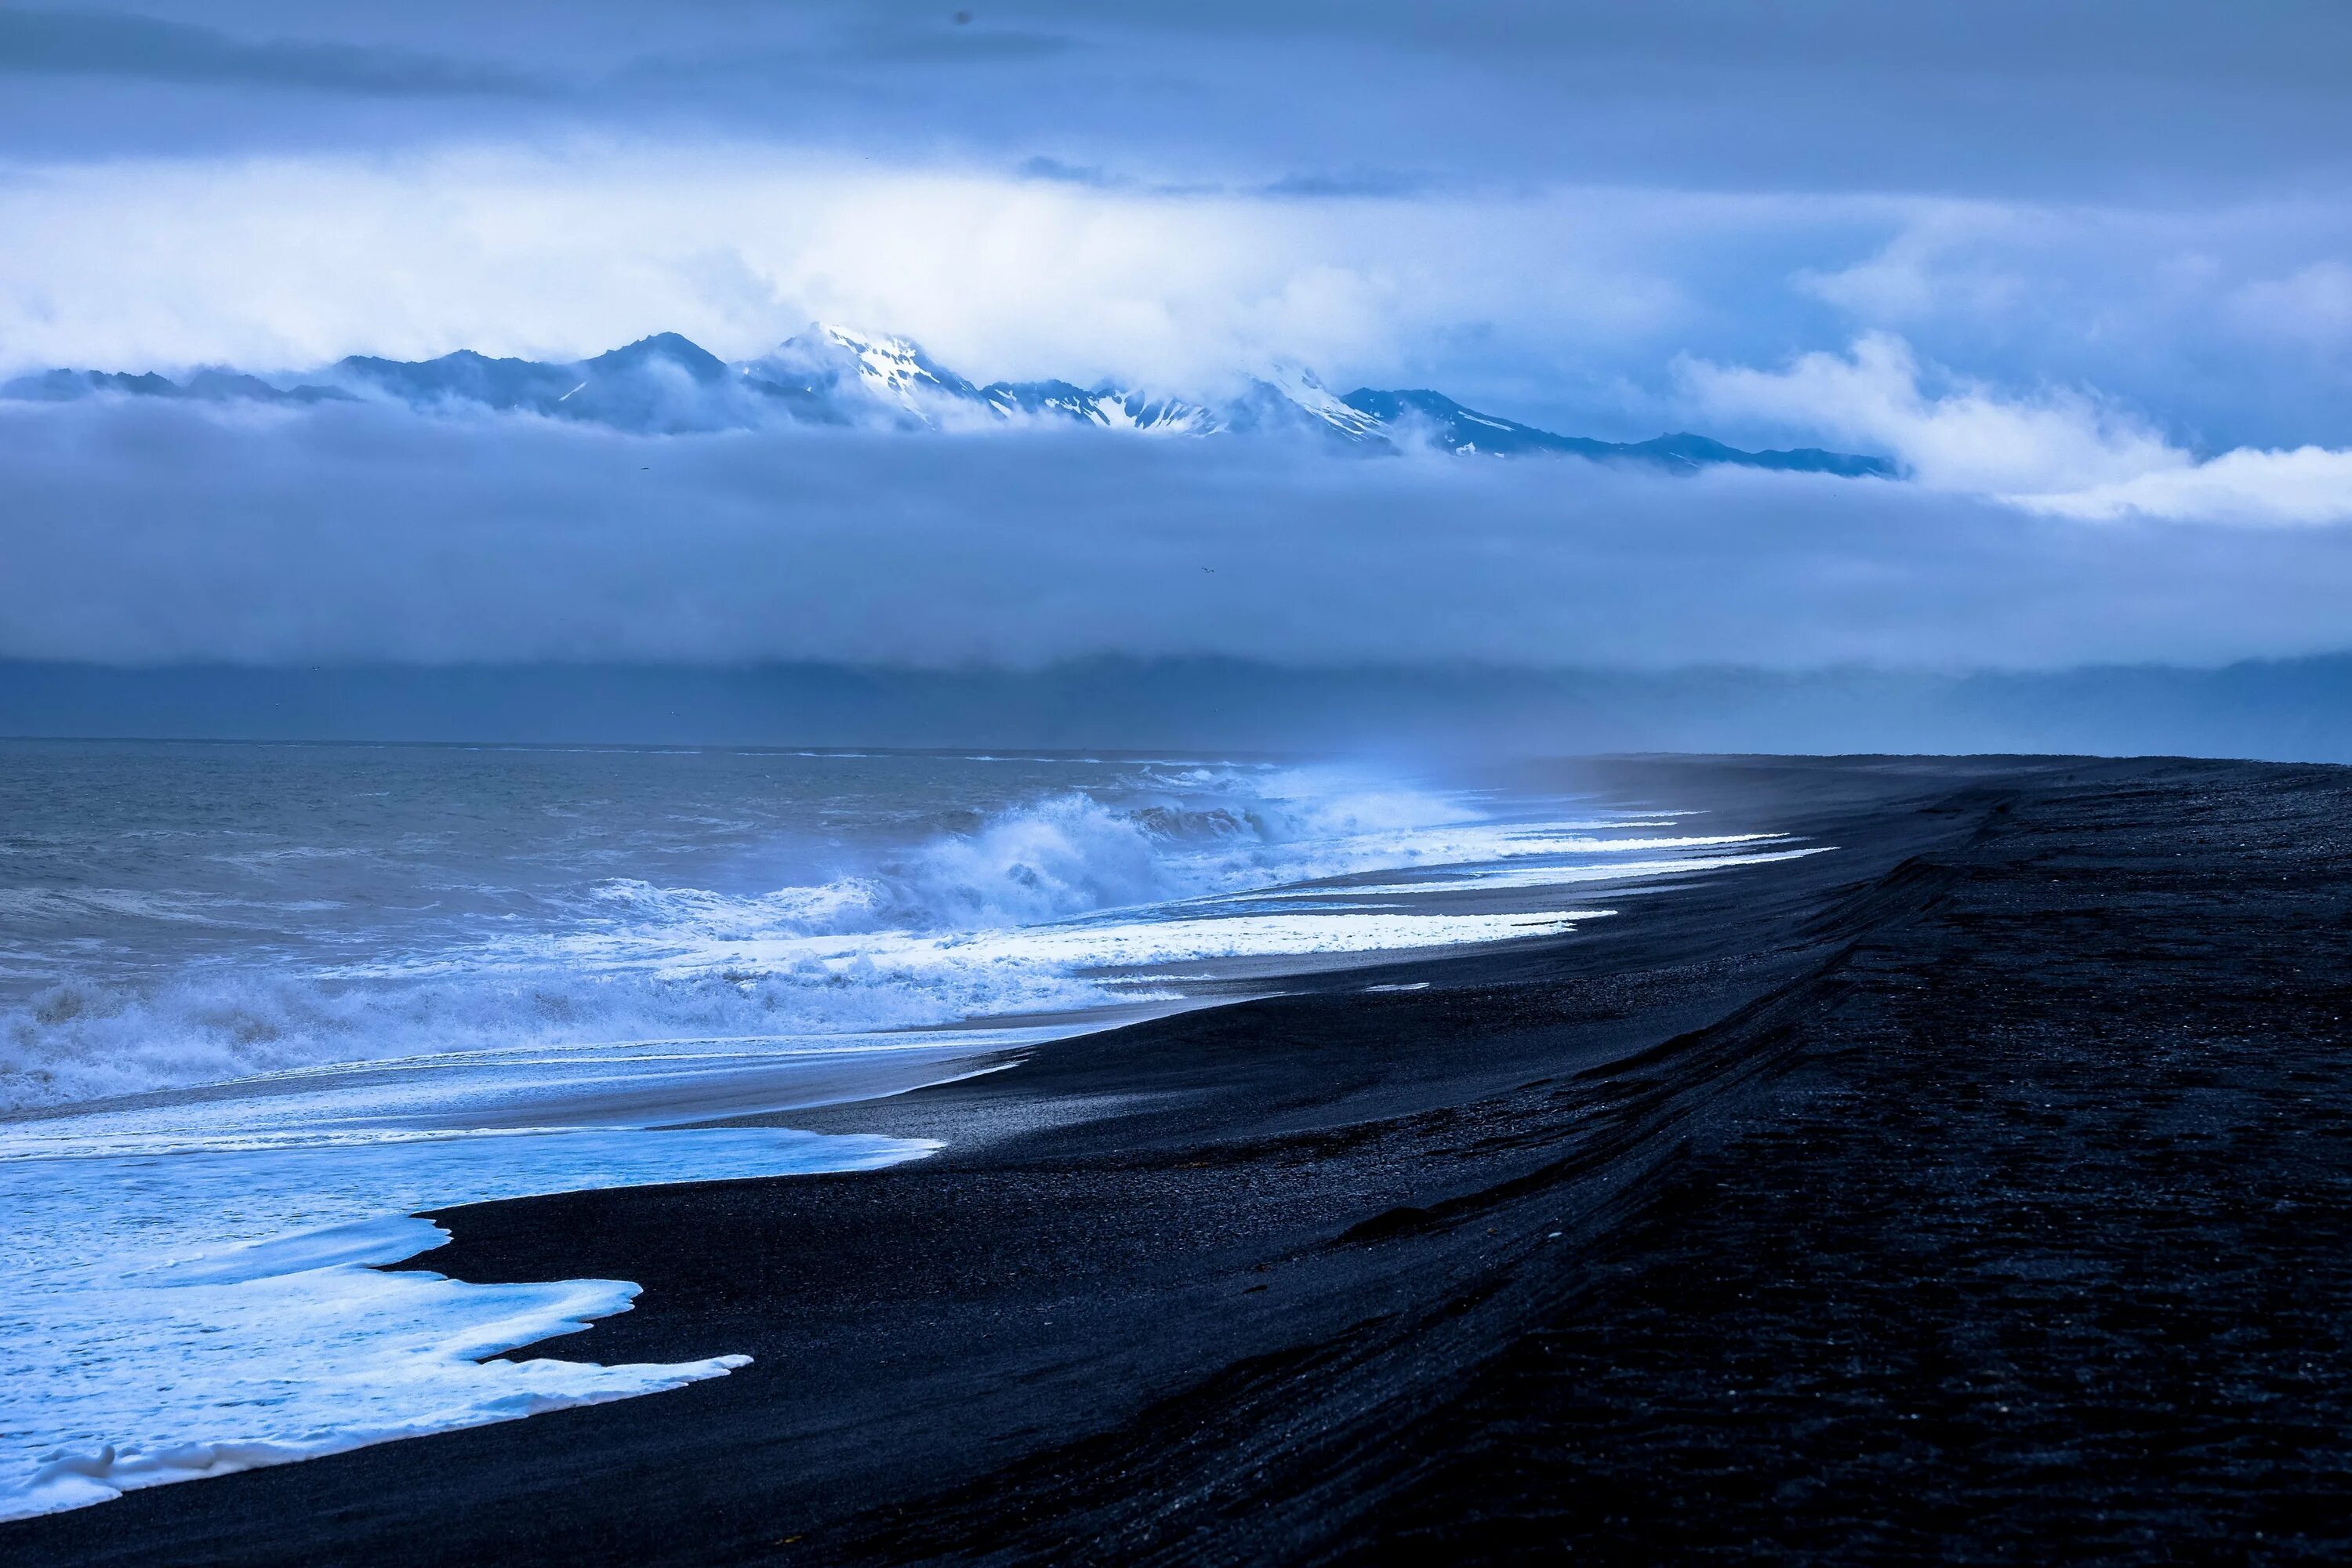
column 118, row 44
column 141, row 534
column 2050, row 97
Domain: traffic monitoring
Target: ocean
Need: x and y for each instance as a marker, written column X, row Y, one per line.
column 262, row 1004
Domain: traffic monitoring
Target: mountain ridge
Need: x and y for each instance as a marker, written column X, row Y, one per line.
column 668, row 385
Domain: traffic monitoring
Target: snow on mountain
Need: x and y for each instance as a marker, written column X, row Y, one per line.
column 895, row 377
column 1106, row 406
column 846, row 377
column 1298, row 386
column 1436, row 420
column 666, row 384
column 1116, row 410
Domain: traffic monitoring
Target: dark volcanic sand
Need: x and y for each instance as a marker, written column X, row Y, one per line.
column 1980, row 1193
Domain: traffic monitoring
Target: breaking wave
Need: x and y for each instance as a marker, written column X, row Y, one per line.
column 889, row 941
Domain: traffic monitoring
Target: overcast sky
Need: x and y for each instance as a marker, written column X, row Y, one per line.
column 2084, row 268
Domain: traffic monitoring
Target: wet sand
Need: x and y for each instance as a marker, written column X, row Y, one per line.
column 1981, row 1192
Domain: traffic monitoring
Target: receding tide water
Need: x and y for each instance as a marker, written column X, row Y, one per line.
column 259, row 1005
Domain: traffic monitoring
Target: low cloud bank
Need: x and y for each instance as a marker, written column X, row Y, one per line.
column 138, row 534
column 2306, row 484
column 2061, row 450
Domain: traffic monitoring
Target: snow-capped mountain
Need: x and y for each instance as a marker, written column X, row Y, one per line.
column 845, row 372
column 833, row 376
column 666, row 384
column 1106, row 407
column 1289, row 396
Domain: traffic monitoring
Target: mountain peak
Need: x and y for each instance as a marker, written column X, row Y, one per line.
column 838, row 376
column 890, row 371
column 1300, row 388
column 663, row 348
column 858, row 341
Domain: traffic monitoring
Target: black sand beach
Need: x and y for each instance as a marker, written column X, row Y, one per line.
column 1981, row 1192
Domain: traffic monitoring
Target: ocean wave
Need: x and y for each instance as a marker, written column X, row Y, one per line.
column 85, row 1040
column 1200, row 832
column 1014, row 913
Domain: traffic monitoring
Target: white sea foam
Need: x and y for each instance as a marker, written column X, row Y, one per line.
column 1497, row 878
column 211, row 1311
column 519, row 1090
column 1095, row 945
column 86, row 1039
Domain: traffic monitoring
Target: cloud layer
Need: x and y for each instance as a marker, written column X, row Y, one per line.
column 117, row 44
column 2063, row 450
column 2054, row 98
column 289, row 262
column 1565, row 306
column 159, row 533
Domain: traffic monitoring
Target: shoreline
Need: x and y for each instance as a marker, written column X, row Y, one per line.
column 1233, row 1250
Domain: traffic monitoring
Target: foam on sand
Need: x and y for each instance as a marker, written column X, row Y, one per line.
column 215, row 1311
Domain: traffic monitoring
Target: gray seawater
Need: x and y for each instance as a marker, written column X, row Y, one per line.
column 260, row 1005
